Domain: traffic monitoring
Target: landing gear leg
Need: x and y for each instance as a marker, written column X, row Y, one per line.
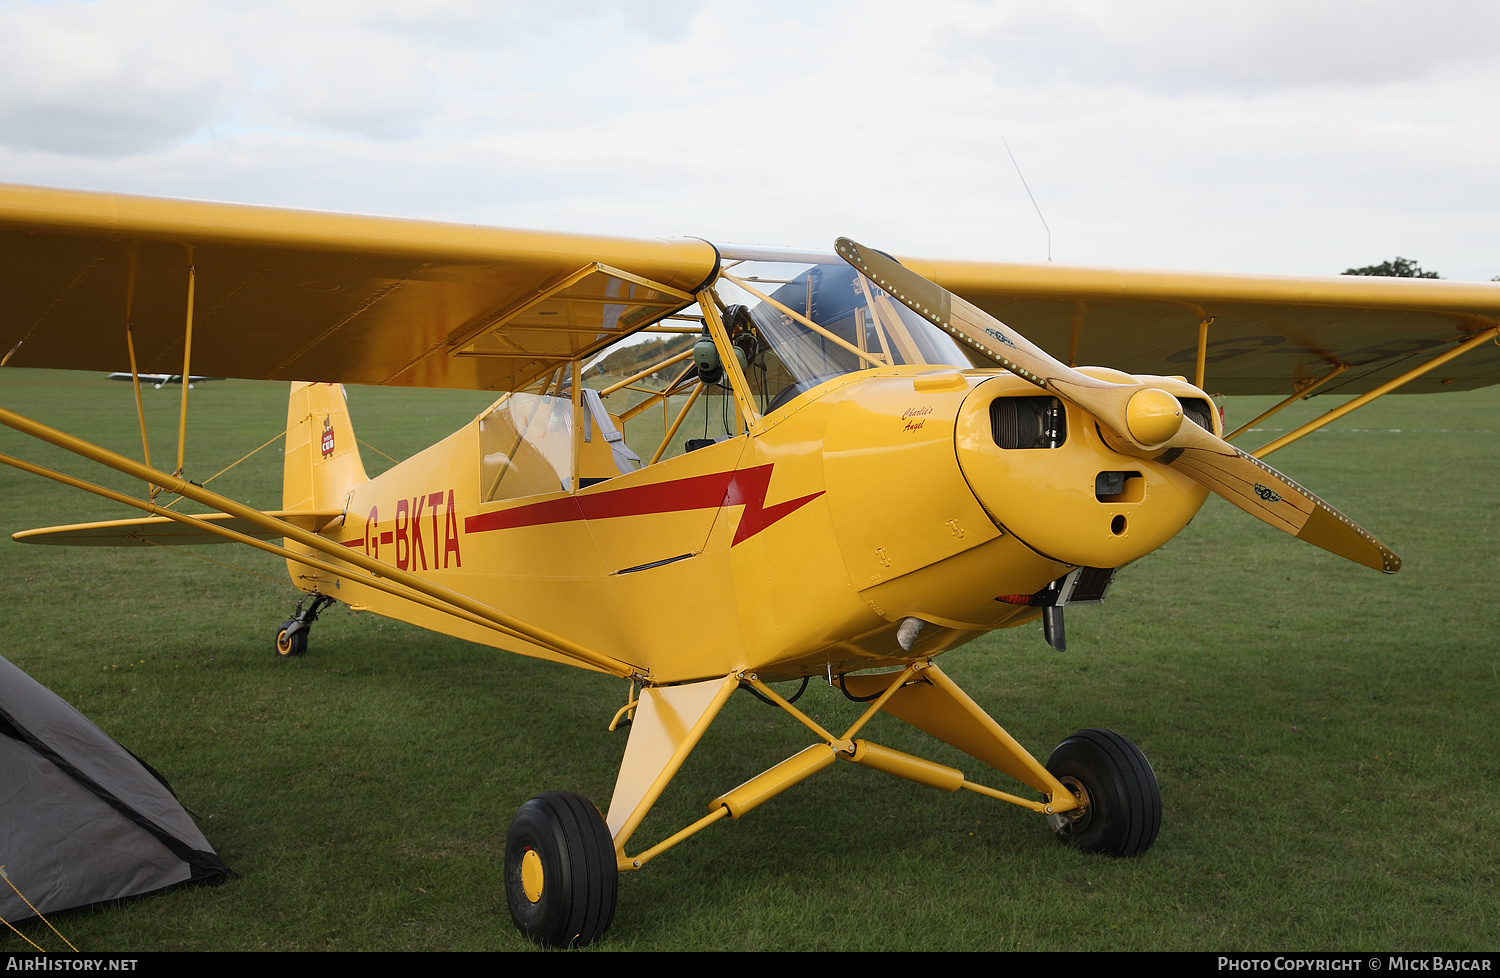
column 291, row 636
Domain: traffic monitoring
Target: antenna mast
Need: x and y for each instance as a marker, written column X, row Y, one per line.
column 1029, row 194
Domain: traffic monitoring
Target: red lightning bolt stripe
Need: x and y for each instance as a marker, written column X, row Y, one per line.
column 746, row 487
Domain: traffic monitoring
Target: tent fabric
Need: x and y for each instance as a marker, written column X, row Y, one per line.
column 82, row 820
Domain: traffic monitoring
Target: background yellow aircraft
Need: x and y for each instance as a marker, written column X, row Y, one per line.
column 895, row 458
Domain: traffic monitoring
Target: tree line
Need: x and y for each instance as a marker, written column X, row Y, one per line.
column 1398, row 267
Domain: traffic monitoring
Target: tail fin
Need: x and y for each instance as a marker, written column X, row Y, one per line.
column 322, row 458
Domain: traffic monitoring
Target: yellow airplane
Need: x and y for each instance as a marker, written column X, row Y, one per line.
column 886, row 468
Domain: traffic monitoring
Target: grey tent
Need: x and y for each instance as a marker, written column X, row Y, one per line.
column 82, row 819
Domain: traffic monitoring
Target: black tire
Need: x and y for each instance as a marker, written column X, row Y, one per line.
column 1123, row 802
column 579, row 882
column 291, row 645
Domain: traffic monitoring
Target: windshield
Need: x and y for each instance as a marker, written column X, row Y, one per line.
column 791, row 324
column 807, row 324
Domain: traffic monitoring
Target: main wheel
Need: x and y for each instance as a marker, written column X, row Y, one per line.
column 560, row 875
column 289, row 644
column 1121, row 800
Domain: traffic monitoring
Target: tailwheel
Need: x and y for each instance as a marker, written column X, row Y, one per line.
column 291, row 639
column 560, row 875
column 1121, row 802
column 291, row 635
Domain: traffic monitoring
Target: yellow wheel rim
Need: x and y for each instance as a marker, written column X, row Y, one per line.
column 531, row 875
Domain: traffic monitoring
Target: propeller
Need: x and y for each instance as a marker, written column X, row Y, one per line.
column 1135, row 419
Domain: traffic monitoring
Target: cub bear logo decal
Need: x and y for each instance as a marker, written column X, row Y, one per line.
column 1269, row 495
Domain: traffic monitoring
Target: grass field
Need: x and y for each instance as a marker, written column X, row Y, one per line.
column 1325, row 736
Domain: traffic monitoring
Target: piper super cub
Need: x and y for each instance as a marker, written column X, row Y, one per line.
column 881, row 468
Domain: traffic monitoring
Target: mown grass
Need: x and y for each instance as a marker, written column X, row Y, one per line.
column 1324, row 735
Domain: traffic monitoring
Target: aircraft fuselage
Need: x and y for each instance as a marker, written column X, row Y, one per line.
column 793, row 549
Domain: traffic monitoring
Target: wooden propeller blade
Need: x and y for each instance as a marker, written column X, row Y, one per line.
column 1266, row 494
column 1243, row 480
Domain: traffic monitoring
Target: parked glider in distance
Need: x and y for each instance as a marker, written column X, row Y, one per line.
column 899, row 456
column 159, row 380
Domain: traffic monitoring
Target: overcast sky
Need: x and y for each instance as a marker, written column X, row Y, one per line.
column 1292, row 137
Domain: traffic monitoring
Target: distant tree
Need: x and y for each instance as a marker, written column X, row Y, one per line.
column 629, row 359
column 1400, row 268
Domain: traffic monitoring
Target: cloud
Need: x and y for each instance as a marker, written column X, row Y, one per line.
column 121, row 77
column 92, row 80
column 1262, row 137
column 1183, row 48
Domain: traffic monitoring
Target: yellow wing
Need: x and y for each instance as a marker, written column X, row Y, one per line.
column 295, row 295
column 1266, row 333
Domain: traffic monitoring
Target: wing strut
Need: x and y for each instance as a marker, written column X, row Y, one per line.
column 187, row 363
column 135, row 375
column 1302, row 390
column 140, row 408
column 235, row 536
column 1479, row 339
column 431, row 594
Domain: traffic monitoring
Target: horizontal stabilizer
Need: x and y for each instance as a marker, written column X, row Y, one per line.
column 170, row 532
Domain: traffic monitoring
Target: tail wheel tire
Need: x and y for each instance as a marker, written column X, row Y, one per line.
column 560, row 876
column 290, row 644
column 1121, row 800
